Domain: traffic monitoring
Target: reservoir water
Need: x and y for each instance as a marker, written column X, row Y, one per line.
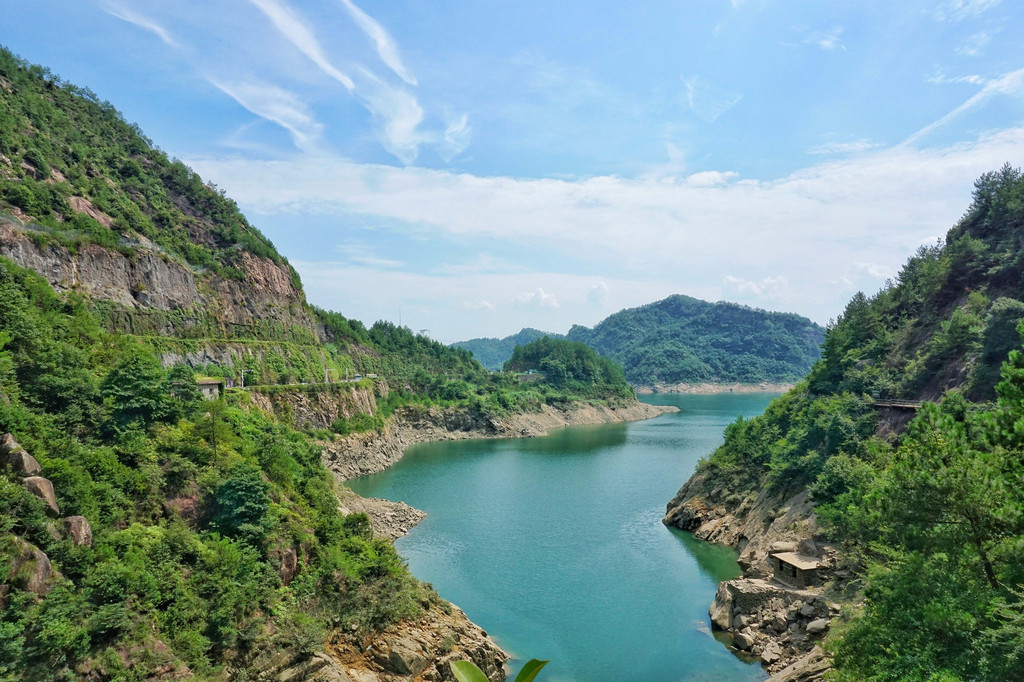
column 555, row 545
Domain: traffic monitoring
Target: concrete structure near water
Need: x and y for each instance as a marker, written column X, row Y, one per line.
column 795, row 570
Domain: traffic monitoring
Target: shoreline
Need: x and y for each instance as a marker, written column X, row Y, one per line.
column 712, row 388
column 362, row 454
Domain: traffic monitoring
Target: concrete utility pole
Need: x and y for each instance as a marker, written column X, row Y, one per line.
column 243, row 378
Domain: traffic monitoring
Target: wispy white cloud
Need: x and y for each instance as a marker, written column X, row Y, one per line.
column 854, row 147
column 363, row 254
column 975, row 44
column 398, row 112
column 478, row 305
column 456, row 138
column 826, row 40
column 129, row 15
column 711, row 178
column 299, row 34
column 277, row 105
column 942, row 79
column 382, row 40
column 958, row 10
column 1009, row 84
column 598, row 294
column 708, row 101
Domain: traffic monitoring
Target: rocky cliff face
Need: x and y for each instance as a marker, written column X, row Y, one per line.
column 149, row 280
column 780, row 624
column 419, row 651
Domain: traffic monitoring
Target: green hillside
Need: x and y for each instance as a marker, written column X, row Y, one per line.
column 493, row 353
column 144, row 531
column 685, row 340
column 930, row 514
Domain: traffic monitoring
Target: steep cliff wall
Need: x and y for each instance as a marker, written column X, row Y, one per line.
column 144, row 282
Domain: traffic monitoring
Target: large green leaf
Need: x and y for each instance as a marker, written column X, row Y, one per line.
column 467, row 672
column 530, row 670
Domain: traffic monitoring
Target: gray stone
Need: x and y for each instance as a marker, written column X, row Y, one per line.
column 771, row 653
column 817, row 626
column 808, row 610
column 79, row 529
column 14, row 458
column 743, row 641
column 808, row 548
column 721, row 608
column 783, row 546
column 43, row 489
column 31, row 569
column 405, row 658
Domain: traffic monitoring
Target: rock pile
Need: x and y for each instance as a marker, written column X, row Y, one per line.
column 768, row 620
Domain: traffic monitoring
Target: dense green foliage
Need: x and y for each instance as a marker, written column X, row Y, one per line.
column 572, row 366
column 494, row 353
column 686, row 340
column 192, row 505
column 933, row 509
column 59, row 144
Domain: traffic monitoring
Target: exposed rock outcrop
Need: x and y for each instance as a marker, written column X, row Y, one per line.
column 43, row 489
column 14, row 459
column 419, row 651
column 30, row 569
column 79, row 530
column 388, row 519
column 153, row 280
column 778, row 622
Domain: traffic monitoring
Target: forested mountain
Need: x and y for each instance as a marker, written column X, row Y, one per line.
column 145, row 531
column 929, row 515
column 493, row 353
column 685, row 340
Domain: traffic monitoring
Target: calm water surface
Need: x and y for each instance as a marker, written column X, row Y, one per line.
column 555, row 545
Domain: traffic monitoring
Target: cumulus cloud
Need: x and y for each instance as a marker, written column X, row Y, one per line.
column 537, row 297
column 768, row 287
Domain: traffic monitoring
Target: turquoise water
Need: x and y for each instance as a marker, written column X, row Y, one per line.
column 555, row 545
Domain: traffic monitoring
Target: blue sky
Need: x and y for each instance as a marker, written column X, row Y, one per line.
column 485, row 166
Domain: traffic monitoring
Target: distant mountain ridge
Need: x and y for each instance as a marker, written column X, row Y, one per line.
column 684, row 340
column 493, row 352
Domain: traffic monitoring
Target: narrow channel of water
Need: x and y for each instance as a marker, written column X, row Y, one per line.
column 555, row 545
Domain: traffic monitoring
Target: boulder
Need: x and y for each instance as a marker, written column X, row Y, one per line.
column 31, row 569
column 783, row 546
column 807, row 547
column 721, row 608
column 771, row 653
column 817, row 626
column 43, row 489
column 79, row 529
column 14, row 458
column 808, row 610
column 743, row 641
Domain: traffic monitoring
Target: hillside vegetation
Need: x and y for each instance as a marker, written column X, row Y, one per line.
column 144, row 531
column 685, row 340
column 931, row 513
column 493, row 353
